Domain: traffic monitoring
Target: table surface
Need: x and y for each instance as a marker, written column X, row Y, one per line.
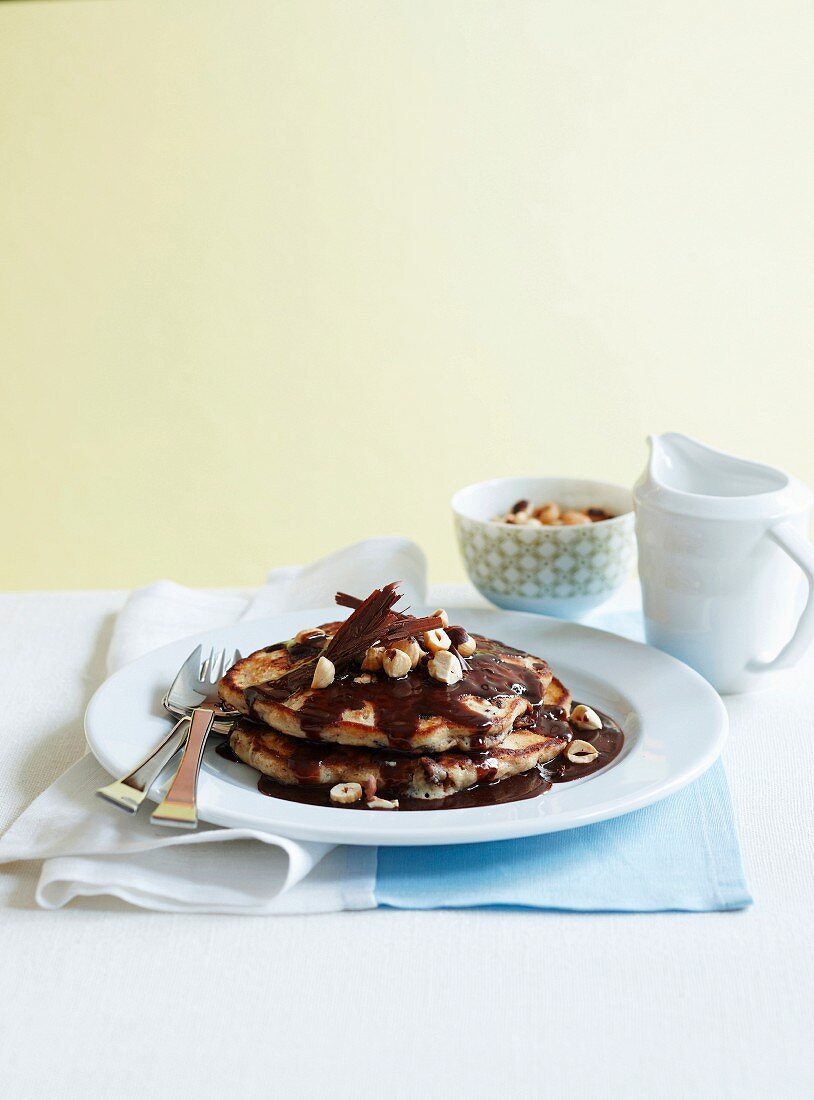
column 101, row 997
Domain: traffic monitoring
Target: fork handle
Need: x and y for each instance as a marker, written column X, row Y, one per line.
column 129, row 792
column 179, row 806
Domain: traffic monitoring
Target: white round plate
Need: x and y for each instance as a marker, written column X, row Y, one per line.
column 674, row 722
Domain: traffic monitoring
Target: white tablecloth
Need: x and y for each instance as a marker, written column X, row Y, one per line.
column 102, row 999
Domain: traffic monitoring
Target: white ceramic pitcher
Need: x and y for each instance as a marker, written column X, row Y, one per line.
column 721, row 545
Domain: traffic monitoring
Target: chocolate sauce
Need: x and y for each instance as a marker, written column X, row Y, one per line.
column 515, row 789
column 225, row 750
column 308, row 647
column 399, row 705
column 307, row 760
column 609, row 741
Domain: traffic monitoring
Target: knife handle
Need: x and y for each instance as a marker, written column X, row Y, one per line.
column 179, row 806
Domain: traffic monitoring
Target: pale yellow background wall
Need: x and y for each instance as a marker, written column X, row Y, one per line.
column 277, row 275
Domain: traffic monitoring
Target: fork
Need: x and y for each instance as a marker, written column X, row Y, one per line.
column 179, row 805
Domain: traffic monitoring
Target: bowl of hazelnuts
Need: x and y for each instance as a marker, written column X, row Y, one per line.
column 557, row 546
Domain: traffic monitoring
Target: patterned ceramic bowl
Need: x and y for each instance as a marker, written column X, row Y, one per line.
column 562, row 571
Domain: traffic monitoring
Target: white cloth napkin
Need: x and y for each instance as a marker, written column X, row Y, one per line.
column 166, row 611
column 89, row 848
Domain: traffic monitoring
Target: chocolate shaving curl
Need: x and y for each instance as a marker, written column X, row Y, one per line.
column 410, row 624
column 399, row 625
column 372, row 620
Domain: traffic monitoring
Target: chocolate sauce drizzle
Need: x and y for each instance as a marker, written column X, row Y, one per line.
column 400, row 705
column 308, row 758
column 515, row 789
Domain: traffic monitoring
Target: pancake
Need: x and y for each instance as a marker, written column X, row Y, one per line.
column 292, row 762
column 416, row 714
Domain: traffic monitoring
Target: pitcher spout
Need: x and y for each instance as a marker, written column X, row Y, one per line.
column 680, row 464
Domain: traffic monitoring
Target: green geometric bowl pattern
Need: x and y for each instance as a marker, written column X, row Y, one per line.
column 548, row 562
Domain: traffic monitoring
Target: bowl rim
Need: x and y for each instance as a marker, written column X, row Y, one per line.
column 622, row 517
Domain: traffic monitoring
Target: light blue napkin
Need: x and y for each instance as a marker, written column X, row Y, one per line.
column 680, row 854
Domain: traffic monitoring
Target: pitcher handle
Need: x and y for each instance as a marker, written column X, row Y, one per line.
column 800, row 550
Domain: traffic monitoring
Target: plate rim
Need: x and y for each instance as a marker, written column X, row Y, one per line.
column 455, row 829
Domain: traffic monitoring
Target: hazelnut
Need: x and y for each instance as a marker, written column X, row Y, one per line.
column 581, row 752
column 365, row 678
column 518, row 507
column 468, row 646
column 376, row 803
column 584, row 718
column 573, row 519
column 411, row 647
column 534, row 522
column 547, row 513
column 323, row 674
column 396, row 663
column 346, row 792
column 434, row 771
column 436, row 640
column 372, row 660
column 309, row 635
column 446, row 667
column 518, row 518
column 439, row 613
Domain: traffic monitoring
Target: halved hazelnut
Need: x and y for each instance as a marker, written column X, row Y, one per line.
column 311, row 635
column 445, row 667
column 323, row 674
column 574, row 518
column 436, row 640
column 372, row 660
column 435, row 772
column 396, row 663
column 346, row 792
column 584, row 718
column 581, row 752
column 377, row 803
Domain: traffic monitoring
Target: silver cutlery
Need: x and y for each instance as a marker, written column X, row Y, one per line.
column 129, row 792
column 194, row 697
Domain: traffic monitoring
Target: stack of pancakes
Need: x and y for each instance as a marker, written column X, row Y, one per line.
column 413, row 737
